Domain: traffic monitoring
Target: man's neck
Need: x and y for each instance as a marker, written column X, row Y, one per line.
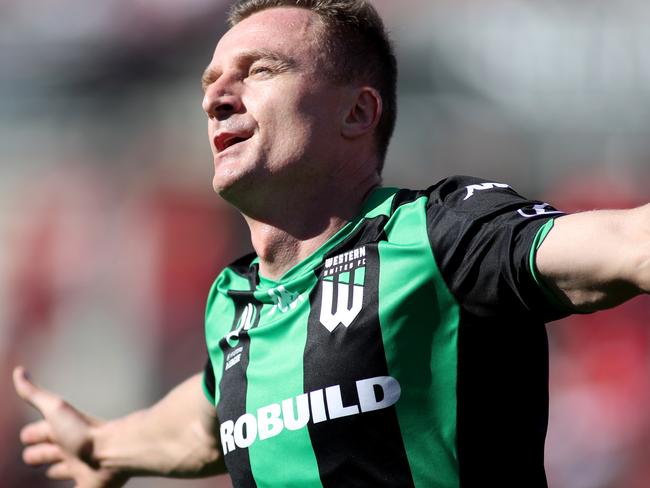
column 299, row 230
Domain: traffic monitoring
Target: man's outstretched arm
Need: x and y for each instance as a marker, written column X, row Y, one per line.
column 597, row 260
column 176, row 437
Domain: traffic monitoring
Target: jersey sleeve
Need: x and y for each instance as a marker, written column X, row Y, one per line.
column 208, row 381
column 484, row 237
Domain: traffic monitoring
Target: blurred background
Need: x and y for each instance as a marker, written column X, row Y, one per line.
column 110, row 235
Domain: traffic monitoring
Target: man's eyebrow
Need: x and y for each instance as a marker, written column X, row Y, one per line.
column 210, row 75
column 255, row 54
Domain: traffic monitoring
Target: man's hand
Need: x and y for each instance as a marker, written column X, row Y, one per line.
column 62, row 439
column 176, row 437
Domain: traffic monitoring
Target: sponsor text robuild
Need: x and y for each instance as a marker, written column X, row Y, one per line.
column 294, row 413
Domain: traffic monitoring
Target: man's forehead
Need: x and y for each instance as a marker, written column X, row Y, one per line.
column 278, row 26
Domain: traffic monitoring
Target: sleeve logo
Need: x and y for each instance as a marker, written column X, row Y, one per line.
column 483, row 186
column 538, row 210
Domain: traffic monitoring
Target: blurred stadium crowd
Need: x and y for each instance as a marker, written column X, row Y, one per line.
column 110, row 234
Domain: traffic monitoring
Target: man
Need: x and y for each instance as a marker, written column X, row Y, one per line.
column 377, row 337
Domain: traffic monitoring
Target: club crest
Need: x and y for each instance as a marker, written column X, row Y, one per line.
column 342, row 284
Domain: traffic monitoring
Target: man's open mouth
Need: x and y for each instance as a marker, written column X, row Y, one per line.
column 226, row 139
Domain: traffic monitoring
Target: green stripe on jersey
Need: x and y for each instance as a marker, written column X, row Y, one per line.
column 276, row 358
column 419, row 319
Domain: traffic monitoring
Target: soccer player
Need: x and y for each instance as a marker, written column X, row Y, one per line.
column 377, row 337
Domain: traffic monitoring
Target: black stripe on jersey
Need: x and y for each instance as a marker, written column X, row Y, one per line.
column 365, row 449
column 245, row 269
column 208, row 374
column 403, row 197
column 479, row 243
column 502, row 402
column 234, row 384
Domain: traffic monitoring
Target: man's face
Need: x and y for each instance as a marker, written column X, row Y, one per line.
column 274, row 118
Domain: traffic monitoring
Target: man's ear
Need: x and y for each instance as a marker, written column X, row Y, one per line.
column 364, row 113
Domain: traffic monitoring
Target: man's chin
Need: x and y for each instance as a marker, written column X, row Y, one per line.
column 228, row 189
column 224, row 181
column 221, row 189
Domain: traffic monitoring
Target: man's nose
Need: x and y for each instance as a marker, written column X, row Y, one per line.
column 220, row 102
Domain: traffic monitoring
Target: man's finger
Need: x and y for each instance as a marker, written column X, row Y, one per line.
column 40, row 399
column 59, row 471
column 42, row 454
column 36, row 433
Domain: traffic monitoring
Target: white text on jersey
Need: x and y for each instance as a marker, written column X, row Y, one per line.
column 294, row 413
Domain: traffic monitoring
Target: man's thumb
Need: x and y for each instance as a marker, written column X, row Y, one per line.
column 38, row 398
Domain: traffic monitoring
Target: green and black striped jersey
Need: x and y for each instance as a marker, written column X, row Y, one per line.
column 409, row 350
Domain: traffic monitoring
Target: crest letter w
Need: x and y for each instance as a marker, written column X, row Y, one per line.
column 344, row 313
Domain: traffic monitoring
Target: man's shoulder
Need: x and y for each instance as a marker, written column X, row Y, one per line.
column 451, row 191
column 460, row 188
